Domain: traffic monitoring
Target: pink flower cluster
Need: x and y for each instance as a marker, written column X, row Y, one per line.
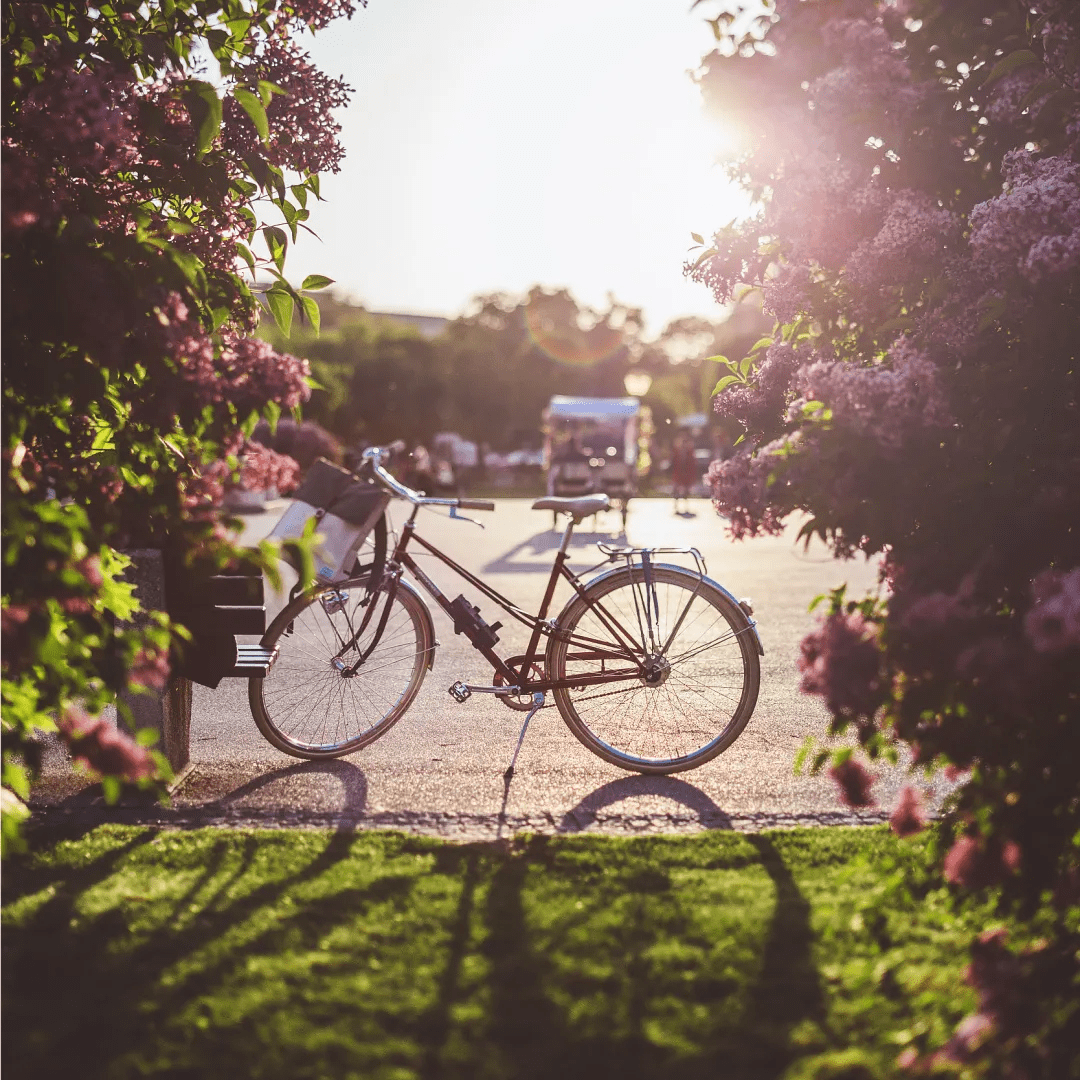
column 303, row 132
column 841, row 662
column 854, row 783
column 263, row 469
column 245, row 372
column 68, row 131
column 974, row 862
column 105, row 749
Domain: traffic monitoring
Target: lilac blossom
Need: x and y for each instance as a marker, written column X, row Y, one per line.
column 786, row 294
column 885, row 402
column 1033, row 227
column 1053, row 623
column 854, row 783
column 740, row 493
column 841, row 662
column 910, row 243
column 908, row 817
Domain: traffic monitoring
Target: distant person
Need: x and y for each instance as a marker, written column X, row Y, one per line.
column 421, row 472
column 683, row 471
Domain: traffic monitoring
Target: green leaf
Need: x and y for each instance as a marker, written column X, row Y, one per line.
column 1039, row 90
column 745, row 365
column 246, row 254
column 1018, row 59
column 272, row 411
column 719, row 359
column 724, row 383
column 276, row 243
column 281, row 307
column 211, row 122
column 804, row 752
column 806, row 534
column 267, row 90
column 316, row 281
column 761, row 343
column 190, row 264
column 311, row 312
column 256, row 111
column 695, row 236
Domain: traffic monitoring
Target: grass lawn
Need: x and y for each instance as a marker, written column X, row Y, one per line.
column 212, row 953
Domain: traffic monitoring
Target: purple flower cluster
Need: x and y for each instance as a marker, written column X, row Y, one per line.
column 885, row 403
column 740, row 492
column 853, row 782
column 263, row 469
column 786, row 293
column 910, row 244
column 244, row 372
column 1033, row 227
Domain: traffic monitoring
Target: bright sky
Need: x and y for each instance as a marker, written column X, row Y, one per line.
column 496, row 144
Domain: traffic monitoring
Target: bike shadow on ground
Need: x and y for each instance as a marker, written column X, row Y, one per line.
column 353, row 781
column 523, row 558
column 585, row 813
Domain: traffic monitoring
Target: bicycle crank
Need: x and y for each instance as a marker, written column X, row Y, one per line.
column 519, row 702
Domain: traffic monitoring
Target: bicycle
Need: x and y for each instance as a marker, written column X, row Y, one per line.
column 653, row 666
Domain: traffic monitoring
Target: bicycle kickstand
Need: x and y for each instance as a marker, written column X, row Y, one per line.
column 538, row 702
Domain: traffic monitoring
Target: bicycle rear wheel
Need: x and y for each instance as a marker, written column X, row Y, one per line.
column 692, row 678
column 310, row 705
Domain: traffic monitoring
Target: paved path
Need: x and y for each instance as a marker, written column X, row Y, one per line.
column 440, row 770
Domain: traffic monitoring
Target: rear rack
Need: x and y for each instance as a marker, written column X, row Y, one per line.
column 628, row 554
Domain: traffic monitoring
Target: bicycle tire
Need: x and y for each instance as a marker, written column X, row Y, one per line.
column 305, row 706
column 696, row 710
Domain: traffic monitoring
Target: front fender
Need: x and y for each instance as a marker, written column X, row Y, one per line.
column 403, row 584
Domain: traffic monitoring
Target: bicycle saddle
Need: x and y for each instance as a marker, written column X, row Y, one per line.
column 578, row 508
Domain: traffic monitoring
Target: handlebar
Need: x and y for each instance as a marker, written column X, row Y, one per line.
column 373, row 457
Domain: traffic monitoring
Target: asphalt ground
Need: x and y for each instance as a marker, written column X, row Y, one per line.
column 440, row 770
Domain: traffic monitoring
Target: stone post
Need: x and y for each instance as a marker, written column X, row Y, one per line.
column 168, row 712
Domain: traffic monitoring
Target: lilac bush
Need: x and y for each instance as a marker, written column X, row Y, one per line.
column 136, row 193
column 916, row 166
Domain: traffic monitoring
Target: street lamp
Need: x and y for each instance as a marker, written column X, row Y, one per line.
column 637, row 382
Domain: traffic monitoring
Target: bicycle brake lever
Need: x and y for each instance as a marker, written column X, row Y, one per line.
column 462, row 517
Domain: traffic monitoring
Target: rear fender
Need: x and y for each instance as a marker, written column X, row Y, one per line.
column 690, row 574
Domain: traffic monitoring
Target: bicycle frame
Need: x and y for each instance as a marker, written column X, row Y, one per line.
column 540, row 626
column 634, row 654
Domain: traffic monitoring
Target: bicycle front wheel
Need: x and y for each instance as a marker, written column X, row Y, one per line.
column 690, row 664
column 347, row 668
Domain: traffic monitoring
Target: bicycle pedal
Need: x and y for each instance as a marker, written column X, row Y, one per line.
column 460, row 692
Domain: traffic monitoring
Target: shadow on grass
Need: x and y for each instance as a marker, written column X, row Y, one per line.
column 556, row 959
